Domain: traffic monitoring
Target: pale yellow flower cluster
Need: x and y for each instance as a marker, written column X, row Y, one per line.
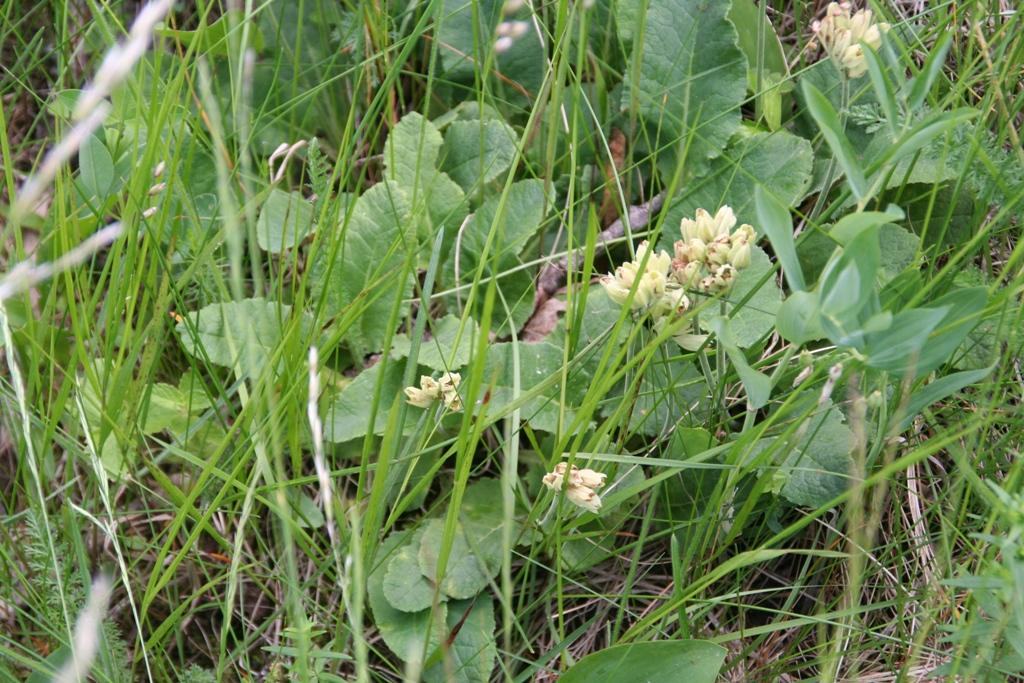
column 710, row 253
column 841, row 33
column 582, row 485
column 656, row 291
column 431, row 390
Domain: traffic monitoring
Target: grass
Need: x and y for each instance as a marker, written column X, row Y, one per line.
column 219, row 570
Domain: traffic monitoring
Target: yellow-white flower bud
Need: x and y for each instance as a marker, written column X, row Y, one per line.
column 449, row 386
column 689, row 274
column 841, row 33
column 584, row 497
column 428, row 392
column 592, row 479
column 418, row 397
column 739, row 255
column 719, row 250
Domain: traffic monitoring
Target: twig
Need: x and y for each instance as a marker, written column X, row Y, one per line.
column 553, row 274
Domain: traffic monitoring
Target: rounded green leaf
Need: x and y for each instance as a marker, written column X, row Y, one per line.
column 696, row 661
column 411, row 636
column 284, row 221
column 470, row 657
column 405, row 587
column 465, row 574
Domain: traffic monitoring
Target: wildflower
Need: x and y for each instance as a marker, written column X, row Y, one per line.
column 584, row 497
column 448, row 387
column 841, row 34
column 581, row 485
column 706, row 227
column 711, row 252
column 428, row 392
column 653, row 280
column 431, row 390
column 672, row 301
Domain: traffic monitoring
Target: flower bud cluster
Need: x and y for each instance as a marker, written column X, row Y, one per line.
column 431, row 390
column 841, row 33
column 656, row 291
column 711, row 252
column 581, row 487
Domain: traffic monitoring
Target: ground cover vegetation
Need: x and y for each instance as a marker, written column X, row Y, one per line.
column 521, row 340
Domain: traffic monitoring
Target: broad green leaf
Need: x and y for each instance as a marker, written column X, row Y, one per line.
column 463, row 48
column 774, row 220
column 465, row 573
column 832, row 130
column 778, row 163
column 767, row 69
column 524, row 210
column 476, row 152
column 96, row 168
column 755, row 318
column 696, row 661
column 758, row 40
column 348, row 415
column 476, row 553
column 242, row 335
column 446, row 349
column 671, row 394
column 899, row 248
column 817, row 470
column 757, row 384
column 284, row 221
column 482, row 517
column 798, row 318
column 691, row 79
column 368, row 270
column 688, row 495
column 410, row 158
column 404, row 586
column 538, row 362
column 411, row 636
column 966, row 306
column 848, row 227
column 897, row 349
column 471, row 656
column 848, row 282
column 168, row 408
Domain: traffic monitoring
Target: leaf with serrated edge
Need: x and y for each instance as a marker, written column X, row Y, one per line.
column 692, row 77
